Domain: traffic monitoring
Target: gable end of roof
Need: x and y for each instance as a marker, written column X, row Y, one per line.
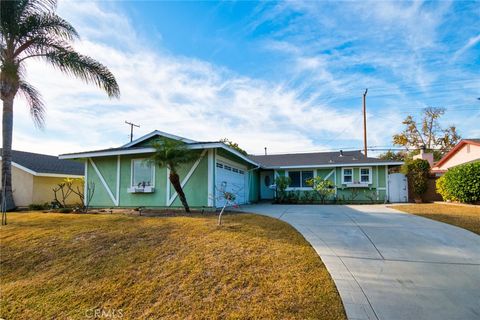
column 455, row 150
column 157, row 133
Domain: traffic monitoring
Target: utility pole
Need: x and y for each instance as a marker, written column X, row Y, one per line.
column 131, row 124
column 365, row 122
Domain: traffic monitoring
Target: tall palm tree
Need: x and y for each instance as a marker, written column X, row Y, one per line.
column 171, row 154
column 31, row 29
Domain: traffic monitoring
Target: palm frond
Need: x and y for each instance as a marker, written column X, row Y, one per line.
column 46, row 25
column 40, row 46
column 85, row 68
column 28, row 7
column 13, row 12
column 172, row 153
column 35, row 102
column 3, row 49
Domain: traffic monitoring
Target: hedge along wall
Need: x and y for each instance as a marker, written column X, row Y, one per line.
column 461, row 183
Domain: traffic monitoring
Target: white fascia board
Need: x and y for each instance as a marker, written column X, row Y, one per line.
column 359, row 164
column 44, row 174
column 225, row 147
column 58, row 175
column 155, row 133
column 18, row 166
column 91, row 154
column 106, row 153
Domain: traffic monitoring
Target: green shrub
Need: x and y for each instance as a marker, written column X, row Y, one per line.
column 282, row 183
column 323, row 188
column 292, row 197
column 442, row 189
column 461, row 183
column 309, row 196
column 417, row 172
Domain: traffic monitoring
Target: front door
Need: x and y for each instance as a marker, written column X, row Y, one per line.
column 266, row 180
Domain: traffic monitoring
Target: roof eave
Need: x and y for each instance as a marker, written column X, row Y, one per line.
column 330, row 165
column 45, row 174
column 208, row 145
column 104, row 153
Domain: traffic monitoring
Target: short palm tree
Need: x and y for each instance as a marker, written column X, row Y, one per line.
column 171, row 154
column 31, row 29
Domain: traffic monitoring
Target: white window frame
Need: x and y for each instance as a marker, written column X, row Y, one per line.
column 131, row 172
column 287, row 173
column 343, row 175
column 369, row 175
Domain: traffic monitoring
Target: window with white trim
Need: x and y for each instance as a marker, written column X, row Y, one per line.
column 142, row 173
column 347, row 175
column 365, row 175
column 298, row 179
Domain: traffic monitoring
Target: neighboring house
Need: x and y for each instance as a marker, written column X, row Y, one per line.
column 124, row 177
column 467, row 150
column 35, row 175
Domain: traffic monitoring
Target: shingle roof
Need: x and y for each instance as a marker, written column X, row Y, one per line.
column 313, row 159
column 474, row 140
column 42, row 163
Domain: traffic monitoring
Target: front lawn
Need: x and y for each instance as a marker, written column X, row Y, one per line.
column 59, row 266
column 467, row 217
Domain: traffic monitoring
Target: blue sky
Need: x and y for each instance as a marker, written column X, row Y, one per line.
column 285, row 75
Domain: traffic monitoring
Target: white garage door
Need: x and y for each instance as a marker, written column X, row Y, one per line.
column 232, row 179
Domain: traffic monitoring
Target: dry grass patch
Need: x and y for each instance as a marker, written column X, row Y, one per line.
column 59, row 266
column 467, row 217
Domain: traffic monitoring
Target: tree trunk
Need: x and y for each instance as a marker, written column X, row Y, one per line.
column 7, row 130
column 175, row 180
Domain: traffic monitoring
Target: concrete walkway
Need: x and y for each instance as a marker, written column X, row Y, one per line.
column 391, row 265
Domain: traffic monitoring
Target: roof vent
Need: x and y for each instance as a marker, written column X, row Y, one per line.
column 330, row 161
column 341, row 153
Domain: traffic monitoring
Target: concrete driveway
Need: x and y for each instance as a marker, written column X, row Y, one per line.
column 391, row 265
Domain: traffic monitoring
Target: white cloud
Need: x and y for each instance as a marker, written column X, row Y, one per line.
column 181, row 95
column 203, row 101
column 470, row 43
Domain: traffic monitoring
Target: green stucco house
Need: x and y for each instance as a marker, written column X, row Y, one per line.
column 123, row 178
